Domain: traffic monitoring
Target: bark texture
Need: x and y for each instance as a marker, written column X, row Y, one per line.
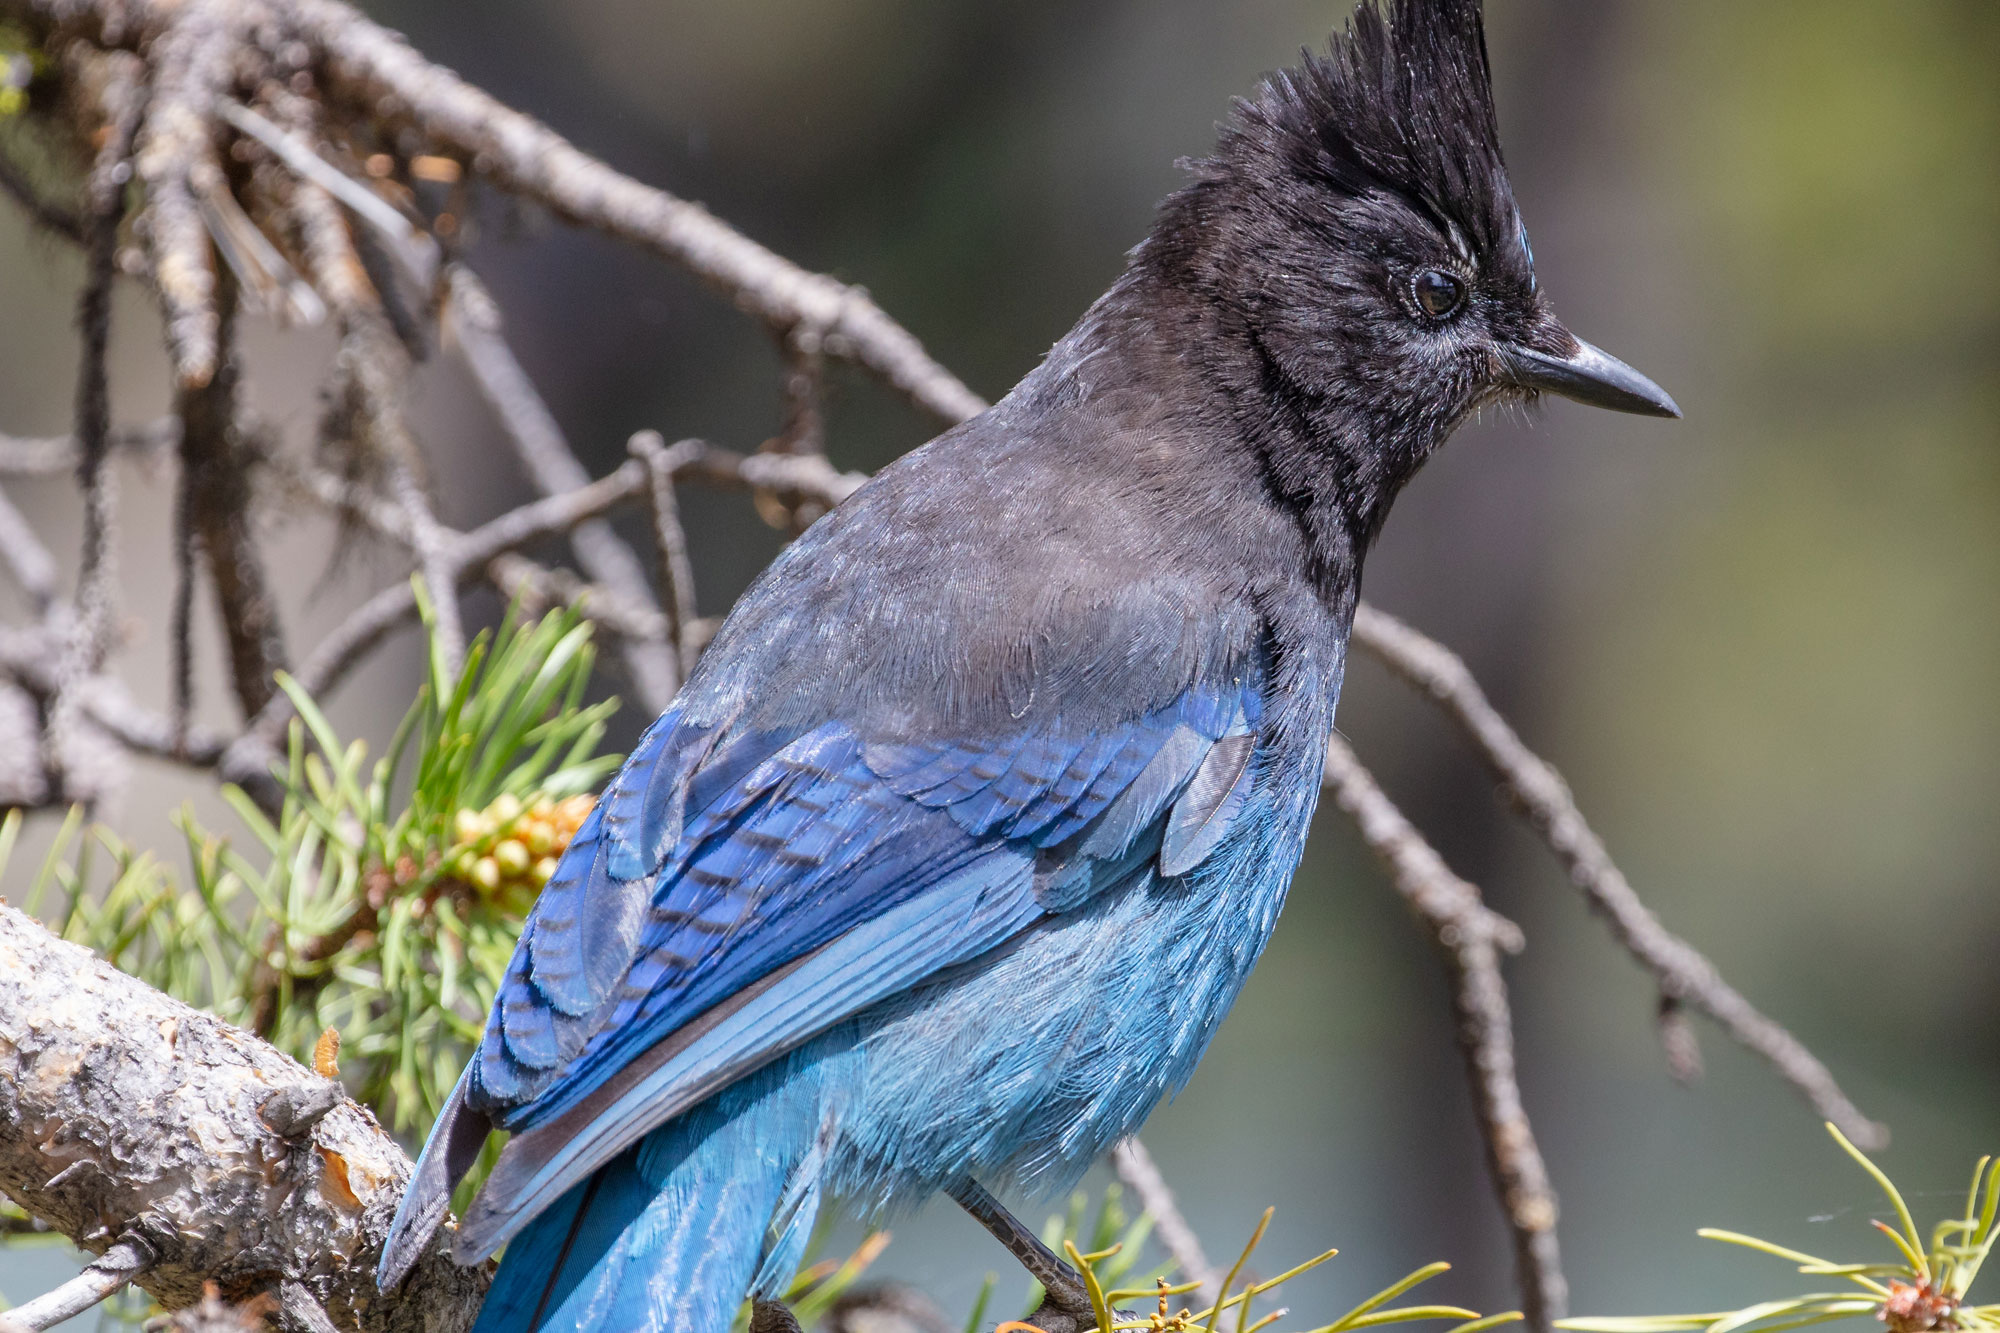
column 126, row 1114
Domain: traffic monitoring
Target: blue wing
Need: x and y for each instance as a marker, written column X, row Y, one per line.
column 737, row 892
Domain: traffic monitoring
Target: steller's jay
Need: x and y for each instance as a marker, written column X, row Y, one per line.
column 953, row 853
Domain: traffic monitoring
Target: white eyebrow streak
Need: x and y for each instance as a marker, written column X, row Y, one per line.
column 1459, row 242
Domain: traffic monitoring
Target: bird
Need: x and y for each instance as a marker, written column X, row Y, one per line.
column 947, row 861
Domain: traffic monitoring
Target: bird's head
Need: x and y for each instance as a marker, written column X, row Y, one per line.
column 1356, row 229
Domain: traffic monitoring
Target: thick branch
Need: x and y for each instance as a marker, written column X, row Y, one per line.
column 1539, row 793
column 125, row 1114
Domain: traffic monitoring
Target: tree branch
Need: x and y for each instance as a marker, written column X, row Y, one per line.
column 340, row 650
column 125, row 1114
column 191, row 63
column 1471, row 937
column 676, row 570
column 473, row 318
column 104, row 207
column 30, row 562
column 373, row 67
column 1541, row 796
column 1140, row 1174
column 807, row 475
column 216, row 458
column 100, row 1280
column 51, row 215
column 48, row 455
column 372, row 378
column 28, row 657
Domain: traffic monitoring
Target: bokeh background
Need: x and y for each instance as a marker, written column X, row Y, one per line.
column 1761, row 643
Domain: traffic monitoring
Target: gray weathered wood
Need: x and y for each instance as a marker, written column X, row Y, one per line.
column 124, row 1113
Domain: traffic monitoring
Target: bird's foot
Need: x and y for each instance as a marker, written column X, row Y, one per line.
column 776, row 1317
column 1066, row 1297
column 1052, row 1316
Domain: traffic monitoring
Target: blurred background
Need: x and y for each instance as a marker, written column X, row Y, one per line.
column 1761, row 643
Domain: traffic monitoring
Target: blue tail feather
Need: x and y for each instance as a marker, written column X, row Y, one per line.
column 674, row 1231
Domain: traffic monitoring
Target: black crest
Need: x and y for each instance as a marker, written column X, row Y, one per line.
column 1402, row 104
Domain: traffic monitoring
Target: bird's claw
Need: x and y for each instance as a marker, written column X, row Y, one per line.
column 1050, row 1317
column 1055, row 1316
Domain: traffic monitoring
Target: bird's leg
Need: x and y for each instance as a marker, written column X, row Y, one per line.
column 773, row 1317
column 1065, row 1306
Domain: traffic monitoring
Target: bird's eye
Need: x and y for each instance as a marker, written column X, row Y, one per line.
column 1438, row 293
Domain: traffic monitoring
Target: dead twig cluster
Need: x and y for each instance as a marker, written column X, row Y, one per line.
column 282, row 151
column 291, row 160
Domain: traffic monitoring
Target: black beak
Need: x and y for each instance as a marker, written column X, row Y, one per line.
column 1589, row 376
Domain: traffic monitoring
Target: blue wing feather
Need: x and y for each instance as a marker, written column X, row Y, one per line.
column 718, row 859
column 974, row 910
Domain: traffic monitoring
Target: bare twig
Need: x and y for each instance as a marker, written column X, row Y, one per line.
column 415, row 250
column 101, row 1279
column 48, row 455
column 395, row 605
column 676, row 570
column 28, row 657
column 216, row 458
column 180, row 620
column 351, row 500
column 1544, row 800
column 259, row 268
column 434, row 559
column 474, row 322
column 374, row 67
column 374, row 369
column 803, row 428
column 538, row 588
column 27, row 559
column 808, row 475
column 104, row 207
column 1141, row 1175
column 514, row 575
column 51, row 214
column 1471, row 937
column 190, row 61
column 1678, row 1041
